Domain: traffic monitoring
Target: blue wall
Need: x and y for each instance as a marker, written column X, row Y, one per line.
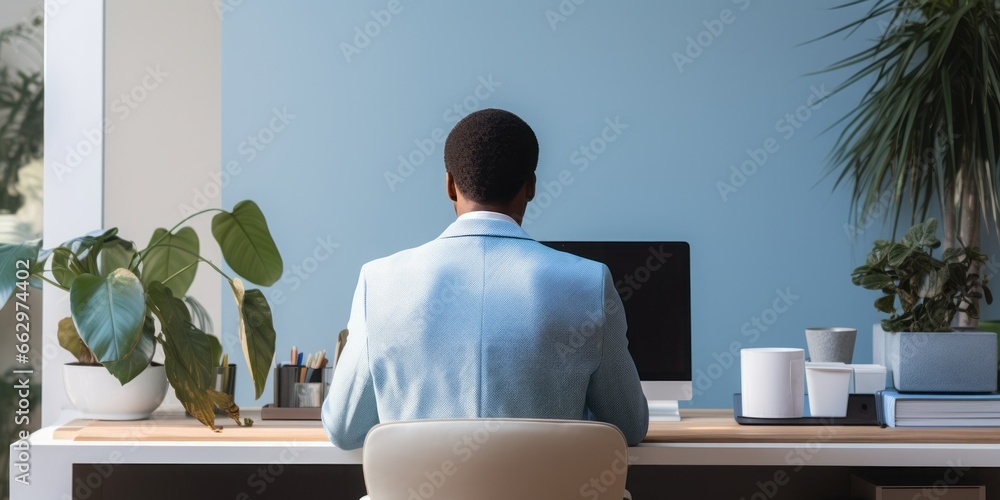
column 696, row 90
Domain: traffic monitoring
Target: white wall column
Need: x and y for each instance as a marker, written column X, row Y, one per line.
column 74, row 155
column 133, row 97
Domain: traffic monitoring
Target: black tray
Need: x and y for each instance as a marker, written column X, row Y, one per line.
column 860, row 411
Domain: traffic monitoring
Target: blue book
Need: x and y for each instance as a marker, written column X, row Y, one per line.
column 897, row 409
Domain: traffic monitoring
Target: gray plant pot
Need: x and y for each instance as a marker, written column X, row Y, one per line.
column 964, row 361
column 831, row 345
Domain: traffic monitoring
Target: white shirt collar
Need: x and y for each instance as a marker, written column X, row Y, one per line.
column 483, row 214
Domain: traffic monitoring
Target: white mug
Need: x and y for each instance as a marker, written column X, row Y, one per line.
column 772, row 380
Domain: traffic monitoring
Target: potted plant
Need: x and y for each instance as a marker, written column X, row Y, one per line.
column 125, row 302
column 921, row 349
column 21, row 106
column 928, row 126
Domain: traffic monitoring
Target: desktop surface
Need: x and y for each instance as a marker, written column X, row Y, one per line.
column 696, row 426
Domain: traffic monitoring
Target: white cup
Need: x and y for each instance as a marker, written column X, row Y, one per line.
column 829, row 386
column 771, row 380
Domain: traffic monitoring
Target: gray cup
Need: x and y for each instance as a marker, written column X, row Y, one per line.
column 831, row 345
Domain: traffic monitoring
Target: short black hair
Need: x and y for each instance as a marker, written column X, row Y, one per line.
column 491, row 154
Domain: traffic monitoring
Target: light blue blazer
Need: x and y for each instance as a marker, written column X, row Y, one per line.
column 484, row 322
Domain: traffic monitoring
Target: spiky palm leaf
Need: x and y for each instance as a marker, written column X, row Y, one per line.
column 928, row 126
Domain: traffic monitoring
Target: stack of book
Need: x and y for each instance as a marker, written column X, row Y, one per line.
column 897, row 409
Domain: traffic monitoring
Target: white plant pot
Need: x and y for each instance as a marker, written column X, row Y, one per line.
column 98, row 394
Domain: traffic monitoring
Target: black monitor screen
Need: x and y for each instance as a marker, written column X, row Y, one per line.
column 654, row 282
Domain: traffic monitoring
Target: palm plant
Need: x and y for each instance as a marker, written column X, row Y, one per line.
column 928, row 127
column 21, row 104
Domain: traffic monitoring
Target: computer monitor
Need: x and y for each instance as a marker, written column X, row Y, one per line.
column 653, row 279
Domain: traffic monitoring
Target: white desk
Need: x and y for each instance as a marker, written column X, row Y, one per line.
column 704, row 438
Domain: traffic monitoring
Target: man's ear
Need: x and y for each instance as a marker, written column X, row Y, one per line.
column 529, row 188
column 450, row 186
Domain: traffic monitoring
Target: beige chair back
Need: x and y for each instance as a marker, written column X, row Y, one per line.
column 499, row 459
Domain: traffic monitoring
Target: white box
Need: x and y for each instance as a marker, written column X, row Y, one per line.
column 868, row 379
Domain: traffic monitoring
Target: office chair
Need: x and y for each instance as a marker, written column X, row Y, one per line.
column 499, row 459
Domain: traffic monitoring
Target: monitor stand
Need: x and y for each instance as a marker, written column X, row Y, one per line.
column 664, row 411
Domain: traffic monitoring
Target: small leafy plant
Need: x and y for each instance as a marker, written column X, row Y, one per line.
column 930, row 291
column 120, row 296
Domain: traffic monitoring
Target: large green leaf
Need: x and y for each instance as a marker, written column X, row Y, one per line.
column 114, row 254
column 256, row 333
column 83, row 243
column 65, row 266
column 187, row 355
column 886, row 304
column 875, row 281
column 174, row 257
column 224, row 402
column 70, row 340
column 38, row 267
column 138, row 360
column 922, row 235
column 108, row 312
column 175, row 309
column 86, row 248
column 186, row 358
column 10, row 255
column 932, row 283
column 898, row 253
column 247, row 245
